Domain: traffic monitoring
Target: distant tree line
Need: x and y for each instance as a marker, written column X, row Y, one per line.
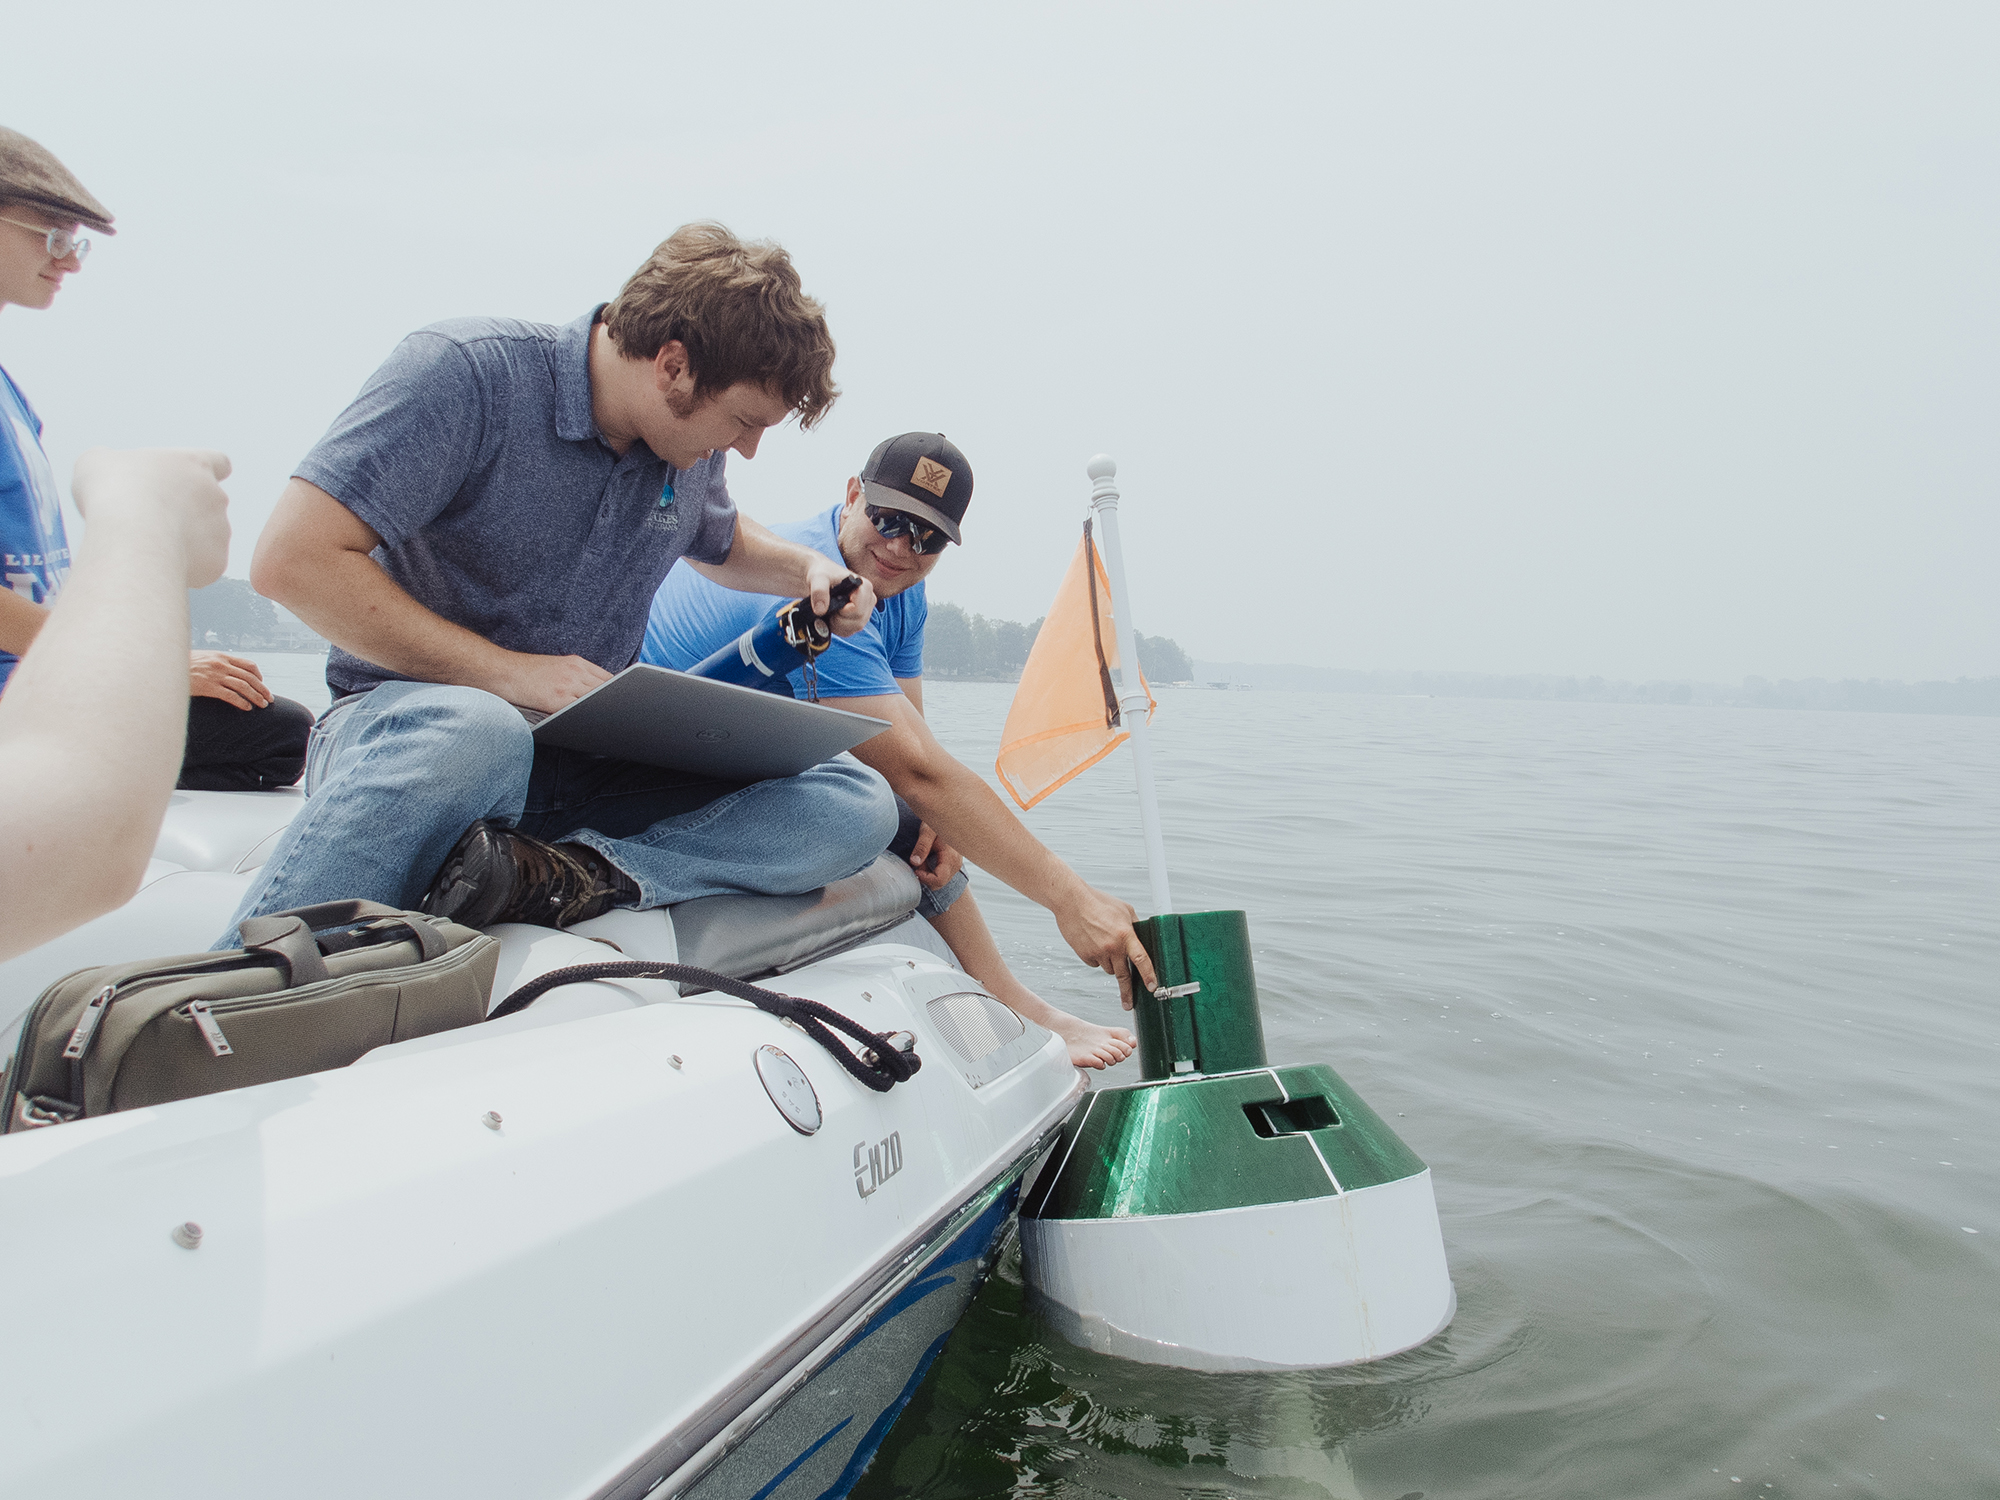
column 1967, row 695
column 1163, row 661
column 960, row 645
column 957, row 644
column 229, row 613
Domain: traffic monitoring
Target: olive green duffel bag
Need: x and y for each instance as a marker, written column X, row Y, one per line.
column 309, row 989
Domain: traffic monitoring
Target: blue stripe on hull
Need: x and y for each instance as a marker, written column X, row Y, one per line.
column 864, row 1451
column 819, row 1442
column 786, row 1472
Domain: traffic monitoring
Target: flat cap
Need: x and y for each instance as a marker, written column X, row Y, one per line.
column 29, row 171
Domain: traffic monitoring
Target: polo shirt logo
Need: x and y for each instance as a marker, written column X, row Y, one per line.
column 931, row 475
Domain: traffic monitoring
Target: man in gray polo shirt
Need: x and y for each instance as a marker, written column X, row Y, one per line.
column 484, row 527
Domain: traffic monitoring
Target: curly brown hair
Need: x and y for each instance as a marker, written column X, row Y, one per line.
column 739, row 311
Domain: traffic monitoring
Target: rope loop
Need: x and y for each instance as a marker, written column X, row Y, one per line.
column 883, row 1066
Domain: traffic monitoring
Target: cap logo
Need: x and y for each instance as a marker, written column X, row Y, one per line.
column 931, row 475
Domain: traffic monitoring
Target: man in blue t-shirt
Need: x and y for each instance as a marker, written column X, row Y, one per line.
column 239, row 736
column 891, row 529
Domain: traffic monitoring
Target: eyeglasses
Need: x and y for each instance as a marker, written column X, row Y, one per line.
column 61, row 243
column 894, row 523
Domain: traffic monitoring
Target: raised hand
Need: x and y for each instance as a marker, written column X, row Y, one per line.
column 175, row 493
column 821, row 575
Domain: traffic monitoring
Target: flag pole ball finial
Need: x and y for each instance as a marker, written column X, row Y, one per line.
column 1101, row 467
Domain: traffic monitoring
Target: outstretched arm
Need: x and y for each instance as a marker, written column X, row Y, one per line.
column 94, row 718
column 966, row 813
column 313, row 558
column 762, row 562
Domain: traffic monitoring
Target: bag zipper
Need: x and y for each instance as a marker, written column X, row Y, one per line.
column 80, row 1038
column 87, row 1023
column 211, row 1032
column 77, row 1049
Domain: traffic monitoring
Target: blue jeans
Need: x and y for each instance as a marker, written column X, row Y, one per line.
column 394, row 776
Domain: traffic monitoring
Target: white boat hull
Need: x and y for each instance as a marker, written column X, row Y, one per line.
column 644, row 1280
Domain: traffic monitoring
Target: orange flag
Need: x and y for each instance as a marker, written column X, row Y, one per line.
column 1065, row 718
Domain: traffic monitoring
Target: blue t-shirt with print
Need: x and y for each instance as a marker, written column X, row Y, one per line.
column 32, row 538
column 694, row 618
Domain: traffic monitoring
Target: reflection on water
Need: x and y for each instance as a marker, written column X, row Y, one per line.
column 1692, row 1013
column 1015, row 1410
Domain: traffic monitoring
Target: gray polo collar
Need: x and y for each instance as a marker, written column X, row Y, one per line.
column 575, row 422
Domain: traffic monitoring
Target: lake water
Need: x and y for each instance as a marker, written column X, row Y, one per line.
column 1695, row 1015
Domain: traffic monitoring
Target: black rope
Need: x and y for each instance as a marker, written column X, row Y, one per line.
column 888, row 1066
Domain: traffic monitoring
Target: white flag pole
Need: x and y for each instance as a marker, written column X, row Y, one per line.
column 1132, row 702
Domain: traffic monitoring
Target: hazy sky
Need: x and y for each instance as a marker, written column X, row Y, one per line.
column 1649, row 341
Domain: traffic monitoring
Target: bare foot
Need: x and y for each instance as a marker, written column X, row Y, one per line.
column 1090, row 1045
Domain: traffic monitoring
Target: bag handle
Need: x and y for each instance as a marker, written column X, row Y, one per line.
column 288, row 935
column 290, row 941
column 337, row 913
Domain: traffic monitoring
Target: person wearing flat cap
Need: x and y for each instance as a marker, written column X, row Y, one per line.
column 240, row 737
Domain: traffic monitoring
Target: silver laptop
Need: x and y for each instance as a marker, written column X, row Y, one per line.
column 661, row 717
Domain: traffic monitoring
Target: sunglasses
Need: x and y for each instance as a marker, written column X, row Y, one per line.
column 891, row 524
column 60, row 242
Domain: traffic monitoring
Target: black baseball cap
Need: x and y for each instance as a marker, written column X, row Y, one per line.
column 922, row 474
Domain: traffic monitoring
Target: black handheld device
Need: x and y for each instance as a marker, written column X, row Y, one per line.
column 809, row 633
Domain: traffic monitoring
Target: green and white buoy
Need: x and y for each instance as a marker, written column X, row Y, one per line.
column 1224, row 1213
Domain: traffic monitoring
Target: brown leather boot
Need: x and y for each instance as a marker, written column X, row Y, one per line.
column 499, row 874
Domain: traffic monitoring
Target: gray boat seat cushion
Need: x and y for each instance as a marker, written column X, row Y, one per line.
column 749, row 937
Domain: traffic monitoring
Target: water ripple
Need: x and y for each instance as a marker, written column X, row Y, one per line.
column 1693, row 1014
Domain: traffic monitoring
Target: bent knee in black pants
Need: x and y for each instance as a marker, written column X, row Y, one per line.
column 231, row 749
column 908, row 824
